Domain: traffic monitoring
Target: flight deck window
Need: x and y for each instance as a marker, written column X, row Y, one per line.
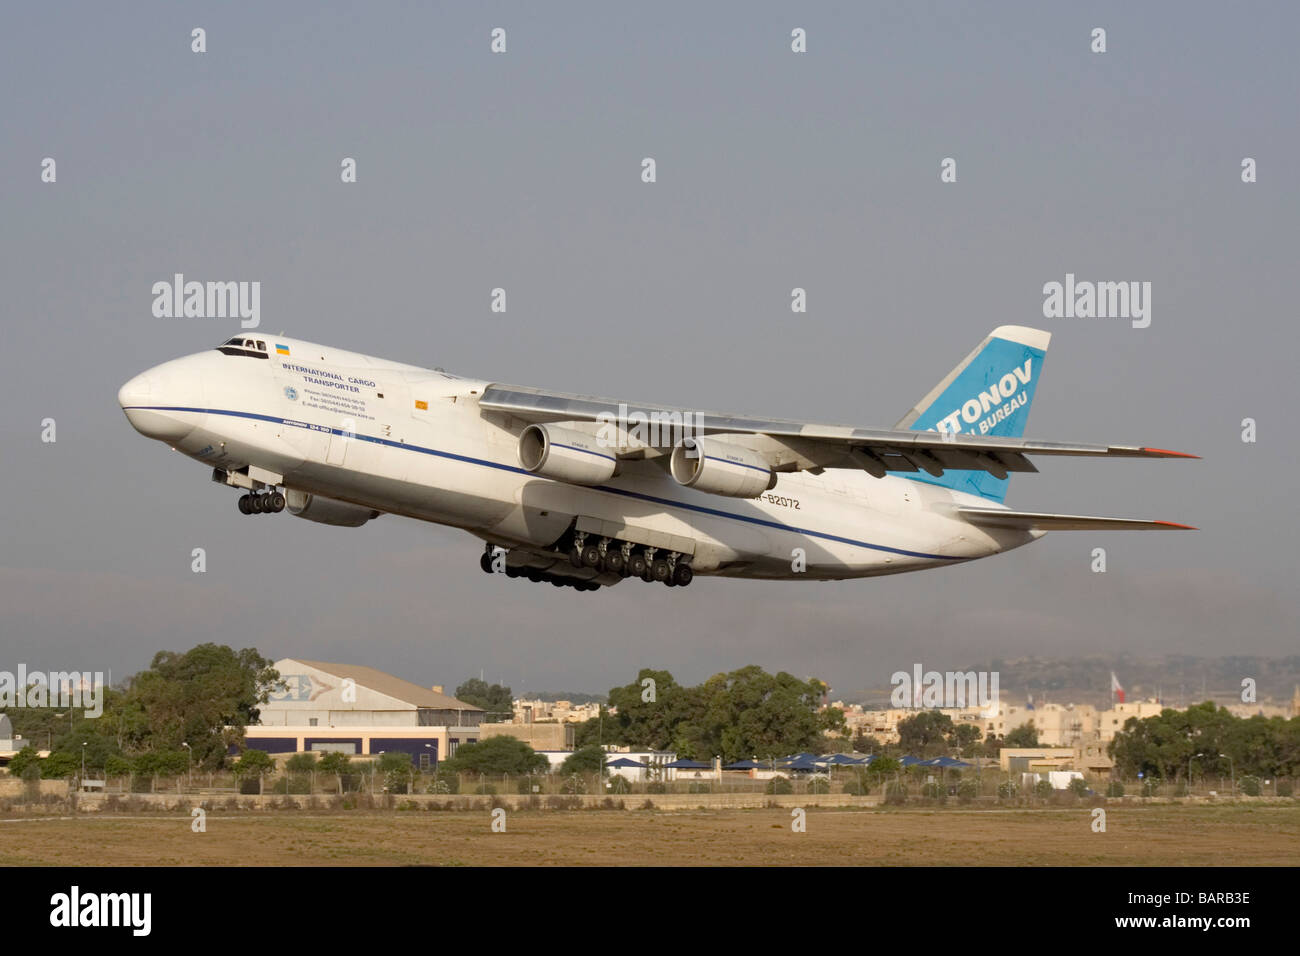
column 250, row 348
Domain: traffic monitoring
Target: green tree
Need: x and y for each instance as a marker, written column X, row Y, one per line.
column 337, row 763
column 495, row 756
column 204, row 697
column 589, row 759
column 254, row 763
column 1026, row 735
column 925, row 734
column 301, row 763
column 25, row 758
column 965, row 738
column 497, row 700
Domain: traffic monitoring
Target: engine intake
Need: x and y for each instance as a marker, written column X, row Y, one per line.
column 327, row 510
column 719, row 468
column 565, row 455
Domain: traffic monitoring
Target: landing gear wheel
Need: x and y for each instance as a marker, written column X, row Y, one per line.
column 558, row 582
column 591, row 556
column 255, row 504
column 245, row 506
column 485, row 562
column 636, row 566
column 575, row 557
column 613, row 562
column 533, row 575
column 277, row 502
column 659, row 571
column 513, row 572
column 683, row 575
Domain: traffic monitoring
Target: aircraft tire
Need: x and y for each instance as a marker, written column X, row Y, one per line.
column 255, row 504
column 613, row 562
column 277, row 502
column 575, row 557
column 244, row 506
column 636, row 566
column 659, row 571
column 485, row 562
column 683, row 575
column 591, row 556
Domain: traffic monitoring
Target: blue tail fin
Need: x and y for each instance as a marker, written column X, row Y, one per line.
column 987, row 394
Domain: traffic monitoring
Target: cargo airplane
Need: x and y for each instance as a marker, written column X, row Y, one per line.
column 585, row 492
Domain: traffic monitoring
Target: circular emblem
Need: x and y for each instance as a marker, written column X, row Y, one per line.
column 291, row 393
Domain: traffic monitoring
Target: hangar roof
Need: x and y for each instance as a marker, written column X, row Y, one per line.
column 403, row 690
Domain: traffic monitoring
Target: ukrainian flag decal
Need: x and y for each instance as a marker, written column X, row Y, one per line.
column 281, row 349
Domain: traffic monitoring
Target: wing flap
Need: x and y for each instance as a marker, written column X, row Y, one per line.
column 822, row 446
column 1039, row 521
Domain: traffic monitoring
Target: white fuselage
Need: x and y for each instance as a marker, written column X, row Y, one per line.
column 409, row 441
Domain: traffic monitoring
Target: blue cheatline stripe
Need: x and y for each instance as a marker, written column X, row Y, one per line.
column 701, row 509
column 587, row 450
column 738, row 464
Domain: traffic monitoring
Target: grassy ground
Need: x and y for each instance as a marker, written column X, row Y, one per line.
column 1165, row 835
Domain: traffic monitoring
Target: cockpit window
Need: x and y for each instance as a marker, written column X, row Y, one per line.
column 251, row 348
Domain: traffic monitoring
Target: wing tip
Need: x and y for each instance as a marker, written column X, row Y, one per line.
column 1166, row 453
column 1176, row 526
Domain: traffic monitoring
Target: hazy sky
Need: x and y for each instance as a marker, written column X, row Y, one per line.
column 775, row 170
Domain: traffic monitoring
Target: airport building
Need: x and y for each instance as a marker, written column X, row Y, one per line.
column 360, row 710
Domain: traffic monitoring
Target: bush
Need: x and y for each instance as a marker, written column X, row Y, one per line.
column 1115, row 789
column 443, row 783
column 486, row 789
column 1250, row 786
column 896, row 793
column 779, row 785
column 618, row 785
column 934, row 791
column 699, row 787
column 1007, row 790
column 1150, row 787
column 1043, row 789
column 857, row 787
column 655, row 786
column 1285, row 788
column 1079, row 787
column 819, row 785
column 1181, row 790
column 967, row 791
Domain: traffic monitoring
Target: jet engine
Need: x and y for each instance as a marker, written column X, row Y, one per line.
column 327, row 510
column 565, row 455
column 720, row 468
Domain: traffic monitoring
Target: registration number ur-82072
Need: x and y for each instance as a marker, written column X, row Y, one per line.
column 781, row 500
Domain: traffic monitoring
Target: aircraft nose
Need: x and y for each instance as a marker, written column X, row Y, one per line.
column 141, row 400
column 135, row 392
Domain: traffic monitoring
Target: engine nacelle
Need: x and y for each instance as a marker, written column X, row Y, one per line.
column 720, row 468
column 565, row 455
column 327, row 510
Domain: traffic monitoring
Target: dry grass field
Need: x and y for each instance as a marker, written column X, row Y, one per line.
column 1137, row 836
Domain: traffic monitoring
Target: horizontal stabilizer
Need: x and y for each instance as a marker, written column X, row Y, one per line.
column 1035, row 521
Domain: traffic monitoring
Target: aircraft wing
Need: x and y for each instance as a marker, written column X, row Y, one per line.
column 1037, row 521
column 795, row 446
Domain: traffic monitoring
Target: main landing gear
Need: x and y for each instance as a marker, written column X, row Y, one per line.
column 267, row 502
column 630, row 560
column 487, row 562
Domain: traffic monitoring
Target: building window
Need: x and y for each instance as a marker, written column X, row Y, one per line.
column 312, row 722
column 424, row 761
